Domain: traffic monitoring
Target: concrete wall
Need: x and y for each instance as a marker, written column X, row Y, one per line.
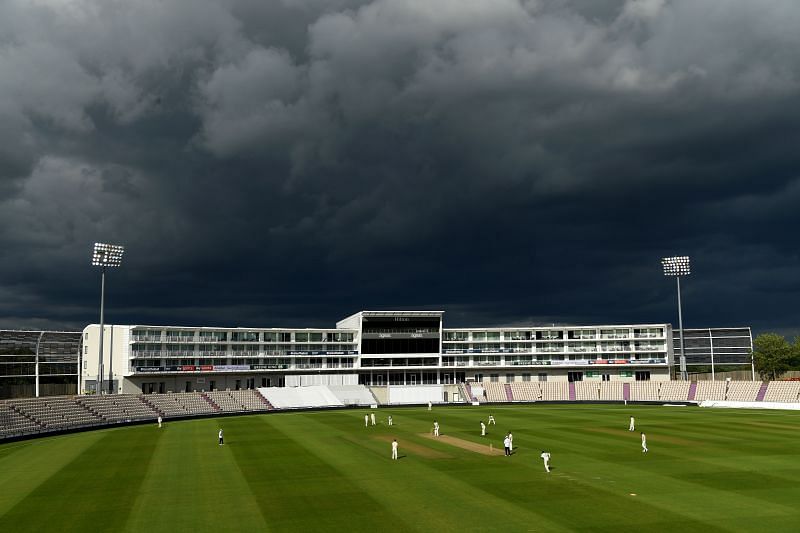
column 116, row 342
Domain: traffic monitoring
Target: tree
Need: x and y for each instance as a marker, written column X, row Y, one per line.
column 772, row 355
column 796, row 355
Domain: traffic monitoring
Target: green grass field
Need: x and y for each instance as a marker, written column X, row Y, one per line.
column 709, row 470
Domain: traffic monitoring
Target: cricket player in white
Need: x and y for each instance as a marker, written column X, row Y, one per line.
column 510, row 442
column 546, row 458
column 372, row 416
column 394, row 449
column 366, row 420
column 491, row 420
column 644, row 443
column 220, row 438
column 632, row 425
column 483, row 429
column 435, row 428
column 506, row 445
column 430, row 405
column 390, row 420
column 159, row 420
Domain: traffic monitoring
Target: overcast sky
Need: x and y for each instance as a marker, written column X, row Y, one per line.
column 288, row 163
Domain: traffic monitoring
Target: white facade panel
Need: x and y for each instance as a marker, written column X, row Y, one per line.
column 399, row 394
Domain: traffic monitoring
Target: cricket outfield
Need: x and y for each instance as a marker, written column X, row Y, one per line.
column 707, row 470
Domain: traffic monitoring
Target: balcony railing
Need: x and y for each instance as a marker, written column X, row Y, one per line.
column 147, row 354
column 401, row 330
column 146, row 338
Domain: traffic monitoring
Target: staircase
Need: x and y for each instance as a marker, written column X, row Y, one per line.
column 88, row 409
column 692, row 390
column 26, row 415
column 216, row 407
column 762, row 392
column 470, row 397
column 263, row 400
column 151, row 406
column 571, row 391
column 462, row 389
column 626, row 391
column 509, row 394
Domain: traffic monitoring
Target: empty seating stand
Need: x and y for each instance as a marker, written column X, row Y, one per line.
column 56, row 412
column 21, row 417
column 587, row 391
column 611, row 391
column 13, row 423
column 495, row 392
column 554, row 391
column 742, row 391
column 644, row 391
column 526, row 391
column 674, row 391
column 118, row 407
column 783, row 391
column 710, row 390
column 238, row 400
column 181, row 404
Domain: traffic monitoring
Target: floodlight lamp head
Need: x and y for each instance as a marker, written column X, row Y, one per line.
column 676, row 266
column 107, row 255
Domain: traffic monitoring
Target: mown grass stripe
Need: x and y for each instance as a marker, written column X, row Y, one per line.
column 194, row 480
column 28, row 464
column 95, row 490
column 434, row 498
column 297, row 489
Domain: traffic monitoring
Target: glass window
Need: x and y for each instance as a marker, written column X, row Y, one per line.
column 301, row 337
column 478, row 335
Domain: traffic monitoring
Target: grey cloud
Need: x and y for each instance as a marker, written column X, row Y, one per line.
column 508, row 160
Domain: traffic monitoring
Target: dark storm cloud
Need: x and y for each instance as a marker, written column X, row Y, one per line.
column 272, row 163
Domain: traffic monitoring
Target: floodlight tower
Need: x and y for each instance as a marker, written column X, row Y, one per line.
column 678, row 266
column 104, row 256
